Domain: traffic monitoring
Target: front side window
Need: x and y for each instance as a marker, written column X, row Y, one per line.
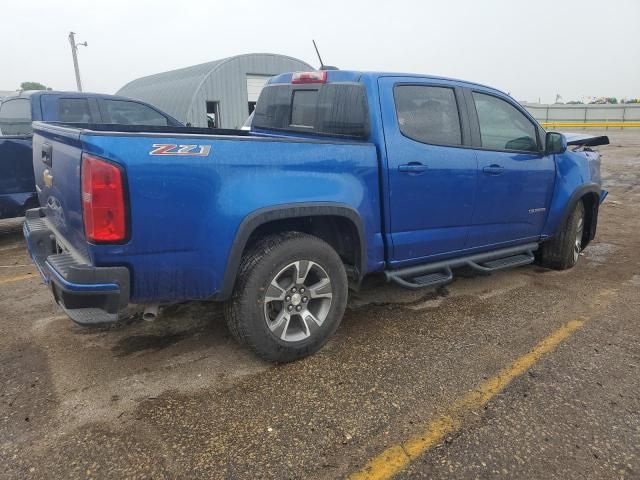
column 123, row 112
column 503, row 126
column 74, row 110
column 428, row 114
column 15, row 117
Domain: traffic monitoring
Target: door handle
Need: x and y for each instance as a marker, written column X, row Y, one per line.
column 46, row 154
column 412, row 167
column 493, row 169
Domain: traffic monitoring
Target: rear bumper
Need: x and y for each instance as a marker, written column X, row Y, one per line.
column 89, row 295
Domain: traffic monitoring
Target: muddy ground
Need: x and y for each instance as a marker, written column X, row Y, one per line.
column 179, row 399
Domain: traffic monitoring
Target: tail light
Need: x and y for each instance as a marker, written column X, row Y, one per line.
column 309, row 77
column 103, row 202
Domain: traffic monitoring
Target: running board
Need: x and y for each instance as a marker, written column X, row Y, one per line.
column 439, row 273
column 502, row 263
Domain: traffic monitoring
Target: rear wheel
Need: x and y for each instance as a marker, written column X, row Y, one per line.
column 289, row 297
column 563, row 250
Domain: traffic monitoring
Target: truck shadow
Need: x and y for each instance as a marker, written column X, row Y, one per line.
column 176, row 324
column 139, row 343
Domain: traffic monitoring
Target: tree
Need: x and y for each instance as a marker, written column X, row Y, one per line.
column 33, row 86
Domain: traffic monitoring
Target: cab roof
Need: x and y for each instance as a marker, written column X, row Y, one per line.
column 360, row 76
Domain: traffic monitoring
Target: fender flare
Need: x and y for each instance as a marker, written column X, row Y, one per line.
column 282, row 212
column 576, row 196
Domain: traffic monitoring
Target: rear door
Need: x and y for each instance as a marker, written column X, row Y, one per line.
column 515, row 179
column 431, row 169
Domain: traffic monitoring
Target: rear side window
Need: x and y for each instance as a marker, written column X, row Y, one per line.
column 428, row 114
column 74, row 110
column 337, row 109
column 503, row 126
column 123, row 112
column 15, row 117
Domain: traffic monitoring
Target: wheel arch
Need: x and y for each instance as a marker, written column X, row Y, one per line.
column 589, row 194
column 339, row 225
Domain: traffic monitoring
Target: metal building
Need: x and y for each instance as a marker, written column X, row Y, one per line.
column 219, row 94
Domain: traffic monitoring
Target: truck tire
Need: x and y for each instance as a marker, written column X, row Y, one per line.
column 562, row 251
column 289, row 298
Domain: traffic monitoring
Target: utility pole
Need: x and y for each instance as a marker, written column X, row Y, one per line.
column 74, row 54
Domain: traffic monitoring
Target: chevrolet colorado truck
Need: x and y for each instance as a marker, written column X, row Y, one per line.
column 17, row 185
column 343, row 174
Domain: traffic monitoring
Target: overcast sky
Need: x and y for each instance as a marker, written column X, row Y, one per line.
column 530, row 48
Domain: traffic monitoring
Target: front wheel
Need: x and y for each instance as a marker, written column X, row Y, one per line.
column 563, row 250
column 289, row 297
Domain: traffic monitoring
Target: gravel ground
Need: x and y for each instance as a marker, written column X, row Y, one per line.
column 177, row 398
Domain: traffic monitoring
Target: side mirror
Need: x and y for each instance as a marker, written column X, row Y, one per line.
column 555, row 143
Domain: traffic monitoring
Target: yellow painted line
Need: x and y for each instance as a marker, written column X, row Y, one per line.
column 592, row 124
column 17, row 278
column 395, row 458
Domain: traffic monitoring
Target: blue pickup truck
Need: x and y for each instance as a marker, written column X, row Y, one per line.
column 17, row 185
column 343, row 174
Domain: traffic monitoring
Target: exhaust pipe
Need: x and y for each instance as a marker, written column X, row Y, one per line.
column 150, row 313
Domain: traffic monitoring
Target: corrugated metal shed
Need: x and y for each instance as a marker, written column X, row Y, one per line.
column 184, row 93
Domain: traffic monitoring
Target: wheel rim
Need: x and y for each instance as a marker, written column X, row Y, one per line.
column 578, row 243
column 298, row 301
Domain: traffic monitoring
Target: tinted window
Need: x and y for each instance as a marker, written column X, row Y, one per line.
column 303, row 108
column 428, row 114
column 15, row 117
column 331, row 109
column 124, row 112
column 503, row 126
column 343, row 110
column 74, row 110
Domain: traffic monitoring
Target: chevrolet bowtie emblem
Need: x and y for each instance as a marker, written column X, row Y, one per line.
column 47, row 177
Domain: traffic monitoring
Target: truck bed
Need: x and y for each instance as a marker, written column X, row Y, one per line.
column 185, row 209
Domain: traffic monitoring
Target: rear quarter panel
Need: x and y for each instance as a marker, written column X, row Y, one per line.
column 186, row 210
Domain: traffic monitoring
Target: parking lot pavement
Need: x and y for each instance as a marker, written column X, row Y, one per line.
column 527, row 373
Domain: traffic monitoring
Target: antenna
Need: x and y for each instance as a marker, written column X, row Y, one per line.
column 318, row 53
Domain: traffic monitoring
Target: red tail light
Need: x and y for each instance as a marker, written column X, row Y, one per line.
column 309, row 77
column 103, row 208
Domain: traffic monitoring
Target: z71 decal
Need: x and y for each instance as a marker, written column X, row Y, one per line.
column 174, row 149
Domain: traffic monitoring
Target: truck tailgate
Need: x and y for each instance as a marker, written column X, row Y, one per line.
column 57, row 156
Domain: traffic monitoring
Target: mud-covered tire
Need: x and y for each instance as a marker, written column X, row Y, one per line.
column 562, row 251
column 249, row 311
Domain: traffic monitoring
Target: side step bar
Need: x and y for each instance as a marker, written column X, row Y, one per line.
column 439, row 273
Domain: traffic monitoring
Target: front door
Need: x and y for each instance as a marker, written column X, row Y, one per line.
column 515, row 179
column 431, row 172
